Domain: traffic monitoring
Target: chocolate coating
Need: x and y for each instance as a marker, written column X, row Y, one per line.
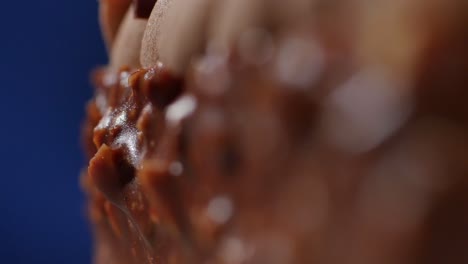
column 306, row 145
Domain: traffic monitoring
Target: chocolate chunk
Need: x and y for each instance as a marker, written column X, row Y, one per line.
column 143, row 8
column 161, row 87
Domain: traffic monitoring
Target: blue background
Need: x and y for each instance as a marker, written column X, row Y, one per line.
column 47, row 49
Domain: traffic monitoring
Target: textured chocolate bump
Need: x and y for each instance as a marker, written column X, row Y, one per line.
column 110, row 172
column 163, row 189
column 161, row 87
